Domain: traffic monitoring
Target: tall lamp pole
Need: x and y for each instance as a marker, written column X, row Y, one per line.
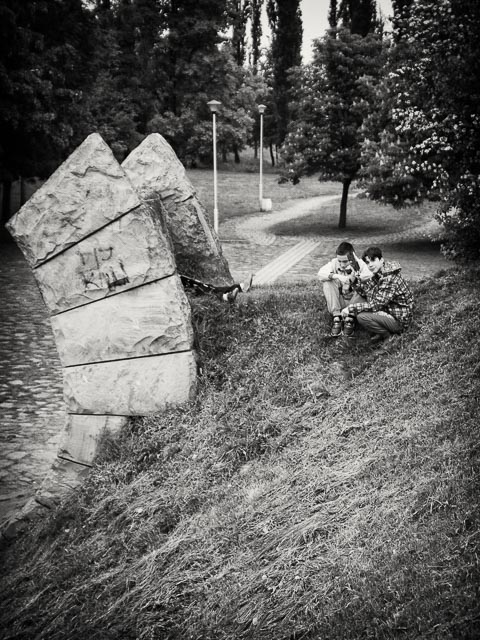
column 213, row 106
column 261, row 111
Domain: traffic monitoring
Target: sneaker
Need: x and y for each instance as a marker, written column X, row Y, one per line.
column 349, row 327
column 245, row 286
column 336, row 327
column 231, row 295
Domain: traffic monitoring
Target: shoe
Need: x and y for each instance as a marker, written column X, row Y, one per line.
column 231, row 295
column 377, row 338
column 245, row 286
column 349, row 327
column 336, row 327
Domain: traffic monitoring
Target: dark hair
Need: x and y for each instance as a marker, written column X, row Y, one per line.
column 372, row 253
column 344, row 248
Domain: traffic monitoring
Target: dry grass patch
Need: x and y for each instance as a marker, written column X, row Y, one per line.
column 316, row 489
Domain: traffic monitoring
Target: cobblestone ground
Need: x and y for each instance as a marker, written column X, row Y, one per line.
column 32, row 412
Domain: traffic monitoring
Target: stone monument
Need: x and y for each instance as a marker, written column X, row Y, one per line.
column 160, row 179
column 120, row 317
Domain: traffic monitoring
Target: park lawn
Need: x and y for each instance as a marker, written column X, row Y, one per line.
column 238, row 192
column 364, row 217
column 238, row 196
column 316, row 488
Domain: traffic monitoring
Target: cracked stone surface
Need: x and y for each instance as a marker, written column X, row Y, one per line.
column 86, row 192
column 161, row 180
column 145, row 321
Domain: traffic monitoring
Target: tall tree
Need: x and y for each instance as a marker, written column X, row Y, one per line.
column 46, row 62
column 285, row 20
column 256, row 33
column 429, row 146
column 239, row 12
column 360, row 16
column 333, row 14
column 333, row 97
column 401, row 11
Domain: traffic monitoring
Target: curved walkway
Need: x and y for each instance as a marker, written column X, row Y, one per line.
column 250, row 246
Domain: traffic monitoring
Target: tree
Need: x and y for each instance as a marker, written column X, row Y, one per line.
column 333, row 14
column 333, row 96
column 46, row 53
column 359, row 16
column 429, row 145
column 285, row 20
column 256, row 33
column 239, row 12
column 190, row 131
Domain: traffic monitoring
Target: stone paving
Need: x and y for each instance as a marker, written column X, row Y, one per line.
column 32, row 412
column 249, row 247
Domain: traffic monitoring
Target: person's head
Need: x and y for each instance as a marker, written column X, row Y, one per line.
column 373, row 258
column 345, row 254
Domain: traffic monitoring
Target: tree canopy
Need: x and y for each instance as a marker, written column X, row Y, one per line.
column 425, row 142
column 333, row 96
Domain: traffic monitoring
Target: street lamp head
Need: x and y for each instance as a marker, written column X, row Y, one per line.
column 261, row 108
column 213, row 105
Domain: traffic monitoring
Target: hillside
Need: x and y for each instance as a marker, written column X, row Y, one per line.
column 316, row 489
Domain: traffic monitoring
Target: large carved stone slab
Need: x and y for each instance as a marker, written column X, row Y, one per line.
column 127, row 253
column 104, row 263
column 83, row 435
column 149, row 320
column 140, row 386
column 85, row 193
column 160, row 179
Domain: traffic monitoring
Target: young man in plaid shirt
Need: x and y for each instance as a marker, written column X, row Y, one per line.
column 389, row 303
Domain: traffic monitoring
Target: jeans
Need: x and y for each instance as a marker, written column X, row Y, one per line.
column 382, row 323
column 335, row 301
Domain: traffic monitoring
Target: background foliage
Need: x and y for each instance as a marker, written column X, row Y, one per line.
column 399, row 109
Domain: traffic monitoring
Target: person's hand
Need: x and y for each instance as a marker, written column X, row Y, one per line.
column 341, row 279
column 345, row 312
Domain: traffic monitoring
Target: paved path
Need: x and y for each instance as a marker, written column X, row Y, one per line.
column 250, row 247
column 31, row 405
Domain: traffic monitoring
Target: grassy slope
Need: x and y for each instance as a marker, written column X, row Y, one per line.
column 317, row 489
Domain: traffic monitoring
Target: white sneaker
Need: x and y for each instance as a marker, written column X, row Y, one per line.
column 245, row 286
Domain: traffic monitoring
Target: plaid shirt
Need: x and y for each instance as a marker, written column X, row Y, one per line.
column 386, row 291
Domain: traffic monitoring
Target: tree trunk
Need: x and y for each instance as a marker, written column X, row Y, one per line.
column 224, row 155
column 5, row 212
column 23, row 191
column 236, row 155
column 255, row 149
column 272, row 157
column 342, row 223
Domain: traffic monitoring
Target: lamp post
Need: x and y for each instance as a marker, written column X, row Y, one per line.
column 261, row 111
column 213, row 106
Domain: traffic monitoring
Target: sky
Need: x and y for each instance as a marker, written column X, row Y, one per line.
column 315, row 21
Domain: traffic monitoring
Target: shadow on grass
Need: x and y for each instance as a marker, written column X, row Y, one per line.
column 364, row 218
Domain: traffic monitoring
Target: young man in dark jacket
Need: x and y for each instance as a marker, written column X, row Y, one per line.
column 389, row 303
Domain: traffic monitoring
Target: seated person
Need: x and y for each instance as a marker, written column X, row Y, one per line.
column 388, row 303
column 226, row 293
column 337, row 276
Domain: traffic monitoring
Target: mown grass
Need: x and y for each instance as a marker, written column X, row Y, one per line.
column 238, row 192
column 315, row 489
